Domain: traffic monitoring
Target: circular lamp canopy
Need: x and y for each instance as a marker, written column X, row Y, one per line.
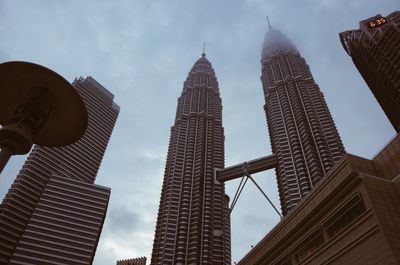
column 67, row 121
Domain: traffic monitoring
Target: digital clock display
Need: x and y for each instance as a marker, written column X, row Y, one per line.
column 376, row 22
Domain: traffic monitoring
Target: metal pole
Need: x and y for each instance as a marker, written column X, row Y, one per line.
column 5, row 155
column 265, row 195
column 238, row 192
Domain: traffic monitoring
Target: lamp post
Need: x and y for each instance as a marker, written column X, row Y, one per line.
column 37, row 106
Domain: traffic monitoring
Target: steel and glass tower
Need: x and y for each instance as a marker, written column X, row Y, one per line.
column 53, row 213
column 193, row 222
column 301, row 129
column 375, row 50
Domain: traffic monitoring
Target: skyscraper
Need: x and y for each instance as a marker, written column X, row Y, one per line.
column 193, row 222
column 135, row 261
column 53, row 212
column 302, row 132
column 375, row 50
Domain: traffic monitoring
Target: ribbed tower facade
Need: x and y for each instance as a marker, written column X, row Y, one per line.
column 53, row 213
column 375, row 50
column 135, row 261
column 302, row 132
column 193, row 223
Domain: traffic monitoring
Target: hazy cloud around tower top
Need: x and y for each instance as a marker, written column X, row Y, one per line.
column 276, row 41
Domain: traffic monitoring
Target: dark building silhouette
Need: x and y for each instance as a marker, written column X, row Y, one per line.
column 53, row 213
column 193, row 223
column 135, row 261
column 375, row 50
column 302, row 132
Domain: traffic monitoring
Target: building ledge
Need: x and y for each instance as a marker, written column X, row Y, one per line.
column 351, row 175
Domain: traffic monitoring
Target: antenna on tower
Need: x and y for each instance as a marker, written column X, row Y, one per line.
column 269, row 24
column 204, row 50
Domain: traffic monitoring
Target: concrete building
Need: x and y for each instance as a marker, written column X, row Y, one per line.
column 375, row 51
column 53, row 213
column 350, row 217
column 193, row 223
column 302, row 132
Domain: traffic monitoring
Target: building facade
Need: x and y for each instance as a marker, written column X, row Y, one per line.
column 193, row 222
column 374, row 49
column 350, row 217
column 53, row 213
column 302, row 132
column 135, row 261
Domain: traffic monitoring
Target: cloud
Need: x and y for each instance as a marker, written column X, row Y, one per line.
column 122, row 219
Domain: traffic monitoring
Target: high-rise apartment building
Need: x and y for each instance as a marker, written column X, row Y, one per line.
column 302, row 132
column 374, row 48
column 193, row 221
column 53, row 213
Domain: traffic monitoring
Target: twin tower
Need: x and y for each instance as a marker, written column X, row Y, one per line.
column 193, row 223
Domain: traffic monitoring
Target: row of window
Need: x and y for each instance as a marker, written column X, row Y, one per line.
column 350, row 211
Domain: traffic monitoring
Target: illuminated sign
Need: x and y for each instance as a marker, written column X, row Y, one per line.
column 376, row 22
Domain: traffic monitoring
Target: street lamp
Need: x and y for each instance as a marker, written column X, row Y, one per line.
column 37, row 106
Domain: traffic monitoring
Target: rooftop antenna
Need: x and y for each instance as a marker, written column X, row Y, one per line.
column 269, row 24
column 204, row 50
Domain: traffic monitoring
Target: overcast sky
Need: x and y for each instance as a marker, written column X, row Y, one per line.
column 142, row 51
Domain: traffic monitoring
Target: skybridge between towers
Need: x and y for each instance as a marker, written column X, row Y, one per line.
column 244, row 171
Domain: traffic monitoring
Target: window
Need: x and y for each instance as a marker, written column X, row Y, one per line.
column 309, row 246
column 349, row 212
column 285, row 261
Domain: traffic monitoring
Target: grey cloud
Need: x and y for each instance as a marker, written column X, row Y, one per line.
column 123, row 219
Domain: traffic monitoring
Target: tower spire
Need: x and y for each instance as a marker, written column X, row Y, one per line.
column 269, row 24
column 204, row 50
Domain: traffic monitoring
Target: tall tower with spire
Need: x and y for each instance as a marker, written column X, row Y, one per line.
column 193, row 222
column 302, row 132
